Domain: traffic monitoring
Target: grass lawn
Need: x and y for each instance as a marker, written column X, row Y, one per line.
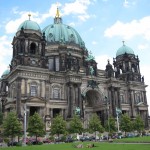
column 134, row 139
column 98, row 146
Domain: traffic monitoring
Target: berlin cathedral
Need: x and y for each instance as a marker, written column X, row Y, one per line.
column 52, row 72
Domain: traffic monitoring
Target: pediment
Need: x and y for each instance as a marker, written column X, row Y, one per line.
column 36, row 99
column 34, row 35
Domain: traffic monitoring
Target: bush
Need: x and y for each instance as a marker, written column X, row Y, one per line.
column 51, row 138
column 6, row 140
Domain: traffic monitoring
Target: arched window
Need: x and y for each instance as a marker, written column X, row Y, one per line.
column 33, row 48
column 56, row 93
column 33, row 89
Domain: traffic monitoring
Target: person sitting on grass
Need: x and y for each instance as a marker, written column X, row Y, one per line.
column 90, row 145
column 78, row 146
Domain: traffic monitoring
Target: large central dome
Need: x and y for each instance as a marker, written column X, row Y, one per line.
column 61, row 33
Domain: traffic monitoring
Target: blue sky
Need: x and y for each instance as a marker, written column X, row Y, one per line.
column 102, row 24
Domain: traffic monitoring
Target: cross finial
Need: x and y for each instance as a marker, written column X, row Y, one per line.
column 108, row 61
column 57, row 12
column 123, row 42
column 29, row 16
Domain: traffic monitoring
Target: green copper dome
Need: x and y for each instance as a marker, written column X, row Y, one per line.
column 61, row 33
column 6, row 72
column 124, row 49
column 29, row 25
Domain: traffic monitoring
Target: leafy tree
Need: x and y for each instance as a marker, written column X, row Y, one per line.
column 95, row 124
column 1, row 118
column 126, row 124
column 11, row 126
column 58, row 126
column 76, row 125
column 138, row 124
column 110, row 125
column 36, row 126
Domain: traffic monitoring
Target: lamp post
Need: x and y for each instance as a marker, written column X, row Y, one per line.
column 25, row 123
column 107, row 108
column 118, row 112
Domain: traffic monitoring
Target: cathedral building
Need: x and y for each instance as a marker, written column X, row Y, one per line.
column 52, row 72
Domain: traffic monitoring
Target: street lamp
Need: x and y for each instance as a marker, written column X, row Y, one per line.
column 107, row 108
column 25, row 123
column 118, row 112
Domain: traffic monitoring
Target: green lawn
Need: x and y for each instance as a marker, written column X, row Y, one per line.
column 134, row 139
column 69, row 146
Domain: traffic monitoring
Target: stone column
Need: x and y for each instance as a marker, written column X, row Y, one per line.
column 131, row 99
column 80, row 100
column 113, row 101
column 23, row 87
column 118, row 95
column 42, row 91
column 51, row 112
column 145, row 98
column 18, row 97
column 70, row 100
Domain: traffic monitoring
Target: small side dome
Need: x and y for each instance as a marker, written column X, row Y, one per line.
column 6, row 72
column 124, row 49
column 29, row 25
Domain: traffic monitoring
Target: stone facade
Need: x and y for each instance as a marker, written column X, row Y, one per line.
column 56, row 77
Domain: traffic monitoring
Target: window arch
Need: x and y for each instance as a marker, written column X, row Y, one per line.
column 56, row 92
column 33, row 89
column 33, row 48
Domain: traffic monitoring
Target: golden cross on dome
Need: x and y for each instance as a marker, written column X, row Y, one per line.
column 29, row 16
column 57, row 12
column 123, row 42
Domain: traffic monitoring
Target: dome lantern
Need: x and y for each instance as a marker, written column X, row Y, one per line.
column 124, row 50
column 29, row 25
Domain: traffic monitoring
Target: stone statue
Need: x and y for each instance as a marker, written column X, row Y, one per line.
column 77, row 111
column 91, row 70
column 118, row 111
column 90, row 57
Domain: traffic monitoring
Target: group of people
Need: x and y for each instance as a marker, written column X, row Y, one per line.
column 87, row 146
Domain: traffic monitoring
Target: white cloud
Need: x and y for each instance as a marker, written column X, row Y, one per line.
column 145, row 71
column 94, row 42
column 102, row 61
column 128, row 3
column 78, row 7
column 12, row 25
column 91, row 29
column 6, row 51
column 72, row 24
column 131, row 29
column 142, row 46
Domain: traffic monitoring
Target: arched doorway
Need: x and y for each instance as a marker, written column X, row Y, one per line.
column 93, row 102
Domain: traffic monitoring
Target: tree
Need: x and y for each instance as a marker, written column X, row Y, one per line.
column 95, row 124
column 138, row 124
column 126, row 124
column 1, row 115
column 36, row 126
column 1, row 118
column 110, row 125
column 58, row 126
column 76, row 125
column 11, row 126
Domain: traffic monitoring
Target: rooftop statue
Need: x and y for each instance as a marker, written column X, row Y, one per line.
column 91, row 70
column 118, row 111
column 77, row 111
column 90, row 57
